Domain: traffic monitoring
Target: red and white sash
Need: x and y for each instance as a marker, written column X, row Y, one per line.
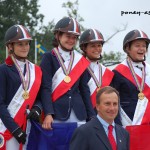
column 17, row 106
column 107, row 76
column 59, row 87
column 142, row 111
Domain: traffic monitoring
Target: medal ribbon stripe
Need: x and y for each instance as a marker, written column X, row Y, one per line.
column 140, row 87
column 78, row 68
column 98, row 82
column 25, row 82
column 61, row 62
column 33, row 93
column 107, row 76
column 125, row 71
column 59, row 75
column 19, row 113
column 106, row 80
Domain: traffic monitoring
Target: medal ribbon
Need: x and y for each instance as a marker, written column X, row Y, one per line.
column 98, row 83
column 140, row 87
column 25, row 83
column 61, row 62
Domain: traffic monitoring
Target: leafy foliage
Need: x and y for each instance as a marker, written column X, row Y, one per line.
column 26, row 12
column 72, row 11
column 23, row 12
column 45, row 37
column 108, row 58
column 111, row 58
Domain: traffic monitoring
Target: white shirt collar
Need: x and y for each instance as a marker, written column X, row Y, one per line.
column 21, row 64
column 93, row 65
column 137, row 64
column 64, row 54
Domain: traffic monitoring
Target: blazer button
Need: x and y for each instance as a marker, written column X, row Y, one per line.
column 69, row 97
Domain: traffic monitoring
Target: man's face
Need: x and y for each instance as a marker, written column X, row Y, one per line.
column 108, row 107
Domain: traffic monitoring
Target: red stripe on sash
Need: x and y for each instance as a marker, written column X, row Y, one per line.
column 106, row 80
column 124, row 70
column 75, row 74
column 20, row 116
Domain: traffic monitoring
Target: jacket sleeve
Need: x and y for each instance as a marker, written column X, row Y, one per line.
column 46, row 85
column 85, row 93
column 7, row 120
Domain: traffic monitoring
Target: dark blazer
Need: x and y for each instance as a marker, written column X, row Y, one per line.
column 77, row 98
column 128, row 93
column 9, row 84
column 91, row 136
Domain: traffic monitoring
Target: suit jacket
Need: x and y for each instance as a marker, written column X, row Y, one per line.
column 76, row 98
column 128, row 93
column 91, row 136
column 9, row 84
column 124, row 82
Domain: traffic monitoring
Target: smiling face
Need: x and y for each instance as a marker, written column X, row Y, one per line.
column 137, row 50
column 93, row 50
column 68, row 40
column 20, row 48
column 108, row 106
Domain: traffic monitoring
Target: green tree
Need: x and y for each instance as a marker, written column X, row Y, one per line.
column 111, row 58
column 45, row 37
column 72, row 11
column 23, row 12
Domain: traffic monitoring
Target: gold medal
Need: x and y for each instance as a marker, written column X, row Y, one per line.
column 67, row 79
column 141, row 96
column 98, row 89
column 25, row 95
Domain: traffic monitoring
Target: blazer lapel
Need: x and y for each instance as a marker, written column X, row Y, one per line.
column 118, row 138
column 9, row 62
column 101, row 134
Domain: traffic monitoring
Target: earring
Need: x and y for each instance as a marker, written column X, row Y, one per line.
column 11, row 51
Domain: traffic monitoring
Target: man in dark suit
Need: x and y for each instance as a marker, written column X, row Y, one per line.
column 95, row 135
